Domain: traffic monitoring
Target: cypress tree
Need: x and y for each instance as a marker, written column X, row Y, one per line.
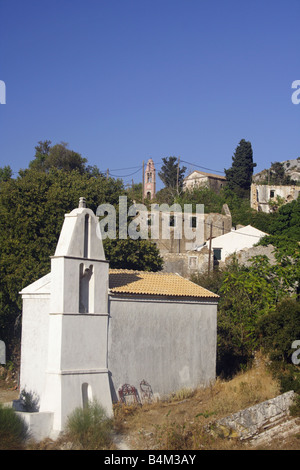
column 239, row 176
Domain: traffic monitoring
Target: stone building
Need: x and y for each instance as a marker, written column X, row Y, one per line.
column 188, row 254
column 262, row 195
column 202, row 179
column 201, row 228
column 89, row 332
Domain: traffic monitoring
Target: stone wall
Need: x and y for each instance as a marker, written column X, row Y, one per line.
column 261, row 194
column 186, row 264
column 192, row 262
column 244, row 256
column 252, row 422
column 214, row 224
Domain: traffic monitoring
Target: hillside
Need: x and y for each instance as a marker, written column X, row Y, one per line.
column 180, row 423
column 291, row 169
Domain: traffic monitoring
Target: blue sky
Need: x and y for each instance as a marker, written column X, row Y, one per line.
column 125, row 80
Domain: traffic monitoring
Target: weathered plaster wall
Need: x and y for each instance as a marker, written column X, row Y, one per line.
column 34, row 344
column 188, row 263
column 262, row 194
column 244, row 256
column 218, row 223
column 170, row 344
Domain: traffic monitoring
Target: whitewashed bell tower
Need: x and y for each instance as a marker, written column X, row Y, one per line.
column 78, row 320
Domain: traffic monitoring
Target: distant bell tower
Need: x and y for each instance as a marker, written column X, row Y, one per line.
column 150, row 182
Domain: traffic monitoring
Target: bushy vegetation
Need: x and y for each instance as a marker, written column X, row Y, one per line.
column 13, row 430
column 278, row 328
column 259, row 309
column 90, row 428
column 32, row 209
column 185, row 424
column 259, row 304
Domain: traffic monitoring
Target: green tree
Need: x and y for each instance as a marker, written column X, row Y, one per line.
column 277, row 173
column 32, row 209
column 212, row 201
column 140, row 255
column 287, row 221
column 135, row 192
column 279, row 329
column 5, row 173
column 278, row 176
column 247, row 294
column 41, row 154
column 239, row 176
column 58, row 156
column 171, row 174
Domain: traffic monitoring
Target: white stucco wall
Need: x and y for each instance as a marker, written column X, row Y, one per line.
column 169, row 343
column 237, row 240
column 34, row 343
column 80, row 343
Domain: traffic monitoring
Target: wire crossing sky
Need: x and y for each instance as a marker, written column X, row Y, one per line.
column 122, row 81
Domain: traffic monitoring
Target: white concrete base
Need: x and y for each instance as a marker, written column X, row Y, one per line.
column 39, row 424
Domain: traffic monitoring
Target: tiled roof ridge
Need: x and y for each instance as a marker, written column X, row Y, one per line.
column 176, row 285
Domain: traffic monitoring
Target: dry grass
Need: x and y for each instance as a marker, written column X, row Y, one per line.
column 180, row 424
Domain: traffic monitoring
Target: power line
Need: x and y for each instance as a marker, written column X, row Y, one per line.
column 203, row 167
column 128, row 168
column 124, row 176
column 156, row 163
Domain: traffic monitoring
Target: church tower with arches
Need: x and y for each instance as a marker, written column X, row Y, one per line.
column 150, row 180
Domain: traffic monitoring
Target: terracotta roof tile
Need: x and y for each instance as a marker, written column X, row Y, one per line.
column 149, row 283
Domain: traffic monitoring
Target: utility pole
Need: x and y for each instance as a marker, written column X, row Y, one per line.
column 178, row 175
column 107, row 173
column 209, row 250
column 143, row 180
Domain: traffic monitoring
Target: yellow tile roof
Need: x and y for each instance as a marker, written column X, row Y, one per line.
column 148, row 283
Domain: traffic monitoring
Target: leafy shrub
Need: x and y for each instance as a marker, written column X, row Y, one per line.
column 279, row 329
column 295, row 408
column 29, row 400
column 288, row 376
column 90, row 427
column 13, row 430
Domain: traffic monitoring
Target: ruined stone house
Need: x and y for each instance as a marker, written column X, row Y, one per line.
column 262, row 195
